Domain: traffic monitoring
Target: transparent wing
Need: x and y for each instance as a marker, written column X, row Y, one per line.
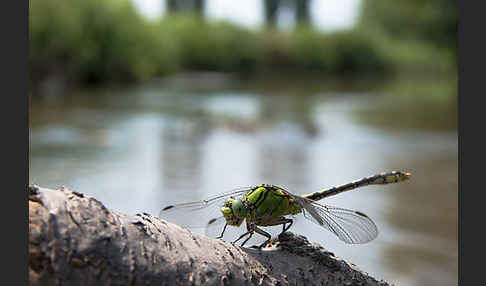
column 199, row 214
column 214, row 226
column 350, row 226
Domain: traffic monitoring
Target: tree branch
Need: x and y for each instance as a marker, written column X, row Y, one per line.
column 75, row 240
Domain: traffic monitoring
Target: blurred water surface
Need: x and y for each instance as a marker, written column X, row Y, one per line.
column 139, row 149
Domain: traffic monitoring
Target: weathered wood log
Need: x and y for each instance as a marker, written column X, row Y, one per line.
column 75, row 240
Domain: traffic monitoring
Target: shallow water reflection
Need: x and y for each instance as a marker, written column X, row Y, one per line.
column 142, row 148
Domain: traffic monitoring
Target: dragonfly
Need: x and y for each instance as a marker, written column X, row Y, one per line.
column 270, row 205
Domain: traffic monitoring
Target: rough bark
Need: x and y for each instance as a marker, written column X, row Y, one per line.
column 75, row 240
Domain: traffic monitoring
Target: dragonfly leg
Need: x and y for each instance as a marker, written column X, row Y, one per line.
column 285, row 228
column 283, row 221
column 224, row 228
column 241, row 236
column 251, row 234
column 251, row 229
column 264, row 233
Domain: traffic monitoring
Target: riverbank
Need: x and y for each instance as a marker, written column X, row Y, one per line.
column 95, row 43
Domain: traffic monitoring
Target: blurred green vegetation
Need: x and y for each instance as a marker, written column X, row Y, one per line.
column 340, row 53
column 431, row 21
column 93, row 42
column 211, row 45
column 416, row 31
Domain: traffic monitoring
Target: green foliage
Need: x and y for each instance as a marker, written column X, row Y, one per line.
column 211, row 45
column 340, row 53
column 311, row 50
column 92, row 41
column 419, row 37
column 433, row 21
column 355, row 53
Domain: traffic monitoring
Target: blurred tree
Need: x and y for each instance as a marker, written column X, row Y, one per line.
column 196, row 6
column 433, row 21
column 302, row 12
column 300, row 7
column 271, row 11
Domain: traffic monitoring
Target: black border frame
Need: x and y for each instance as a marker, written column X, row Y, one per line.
column 15, row 52
column 15, row 139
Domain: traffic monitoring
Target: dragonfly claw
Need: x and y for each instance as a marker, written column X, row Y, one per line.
column 259, row 246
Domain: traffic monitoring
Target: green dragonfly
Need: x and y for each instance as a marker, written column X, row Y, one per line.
column 268, row 205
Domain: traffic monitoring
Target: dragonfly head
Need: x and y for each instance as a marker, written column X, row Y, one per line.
column 233, row 211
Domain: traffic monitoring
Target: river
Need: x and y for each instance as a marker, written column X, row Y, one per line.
column 140, row 148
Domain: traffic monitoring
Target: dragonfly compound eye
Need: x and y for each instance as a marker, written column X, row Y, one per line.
column 239, row 209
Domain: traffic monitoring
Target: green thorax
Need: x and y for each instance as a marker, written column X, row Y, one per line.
column 269, row 201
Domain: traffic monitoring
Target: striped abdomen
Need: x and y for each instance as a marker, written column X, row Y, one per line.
column 382, row 178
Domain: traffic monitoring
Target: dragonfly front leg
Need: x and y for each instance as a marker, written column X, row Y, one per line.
column 250, row 228
column 243, row 235
column 251, row 234
column 224, row 228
